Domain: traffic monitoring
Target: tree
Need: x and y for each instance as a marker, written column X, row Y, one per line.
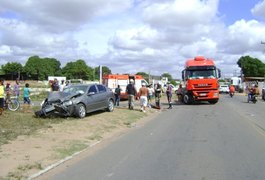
column 105, row 70
column 251, row 67
column 12, row 68
column 145, row 75
column 169, row 78
column 41, row 68
column 78, row 70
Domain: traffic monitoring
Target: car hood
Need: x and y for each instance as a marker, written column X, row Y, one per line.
column 57, row 96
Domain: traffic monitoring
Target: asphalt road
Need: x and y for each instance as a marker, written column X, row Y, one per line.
column 225, row 141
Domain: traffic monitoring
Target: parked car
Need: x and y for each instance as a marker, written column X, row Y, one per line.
column 224, row 89
column 77, row 100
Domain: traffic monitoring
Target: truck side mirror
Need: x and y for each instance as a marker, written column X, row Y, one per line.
column 183, row 76
column 219, row 73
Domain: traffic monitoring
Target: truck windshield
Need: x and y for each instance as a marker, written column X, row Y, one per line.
column 200, row 74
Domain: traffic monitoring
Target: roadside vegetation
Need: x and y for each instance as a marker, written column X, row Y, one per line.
column 24, row 122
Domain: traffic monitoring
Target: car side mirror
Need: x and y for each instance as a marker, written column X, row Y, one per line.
column 91, row 93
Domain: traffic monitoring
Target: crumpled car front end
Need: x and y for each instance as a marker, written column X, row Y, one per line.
column 58, row 103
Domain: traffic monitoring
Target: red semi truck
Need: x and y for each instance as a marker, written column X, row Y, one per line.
column 200, row 77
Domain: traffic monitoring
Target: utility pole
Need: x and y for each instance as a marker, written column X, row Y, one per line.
column 263, row 43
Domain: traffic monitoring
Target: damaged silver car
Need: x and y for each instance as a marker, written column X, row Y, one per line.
column 77, row 100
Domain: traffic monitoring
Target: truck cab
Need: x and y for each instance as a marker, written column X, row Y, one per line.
column 200, row 77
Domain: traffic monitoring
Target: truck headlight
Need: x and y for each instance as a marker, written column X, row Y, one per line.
column 216, row 94
column 68, row 103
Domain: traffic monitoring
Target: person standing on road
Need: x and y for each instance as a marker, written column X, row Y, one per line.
column 143, row 97
column 131, row 91
column 169, row 95
column 2, row 91
column 180, row 93
column 117, row 94
column 158, row 90
column 150, row 94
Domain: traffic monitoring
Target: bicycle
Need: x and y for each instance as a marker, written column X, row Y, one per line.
column 12, row 104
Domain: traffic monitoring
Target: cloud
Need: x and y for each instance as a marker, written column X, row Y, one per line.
column 243, row 36
column 180, row 13
column 128, row 36
column 259, row 9
column 62, row 15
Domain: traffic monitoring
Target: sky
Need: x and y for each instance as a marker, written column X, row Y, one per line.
column 130, row 36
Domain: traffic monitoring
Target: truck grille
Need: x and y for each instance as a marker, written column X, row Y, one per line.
column 203, row 86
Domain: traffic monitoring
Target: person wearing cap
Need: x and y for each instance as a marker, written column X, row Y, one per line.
column 143, row 91
column 131, row 92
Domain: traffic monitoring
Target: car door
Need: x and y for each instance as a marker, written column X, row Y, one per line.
column 92, row 98
column 102, row 96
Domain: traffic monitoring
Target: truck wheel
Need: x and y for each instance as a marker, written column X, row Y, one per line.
column 213, row 101
column 80, row 111
column 187, row 99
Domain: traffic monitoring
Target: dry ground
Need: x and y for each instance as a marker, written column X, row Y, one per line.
column 28, row 155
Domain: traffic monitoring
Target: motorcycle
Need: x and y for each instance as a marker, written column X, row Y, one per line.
column 252, row 98
column 231, row 94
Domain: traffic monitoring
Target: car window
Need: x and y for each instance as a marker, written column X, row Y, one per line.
column 75, row 89
column 101, row 88
column 92, row 89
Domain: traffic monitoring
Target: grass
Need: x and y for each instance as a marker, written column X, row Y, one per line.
column 14, row 124
column 70, row 148
column 19, row 173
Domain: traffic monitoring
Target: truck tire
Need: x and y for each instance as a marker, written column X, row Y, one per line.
column 187, row 99
column 213, row 101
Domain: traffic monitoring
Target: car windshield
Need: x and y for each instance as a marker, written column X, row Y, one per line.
column 75, row 89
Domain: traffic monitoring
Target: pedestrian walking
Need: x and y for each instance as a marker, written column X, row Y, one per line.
column 169, row 96
column 131, row 92
column 117, row 94
column 143, row 92
column 158, row 91
column 150, row 94
column 26, row 94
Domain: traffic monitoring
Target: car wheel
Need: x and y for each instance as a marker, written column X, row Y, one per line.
column 110, row 107
column 80, row 111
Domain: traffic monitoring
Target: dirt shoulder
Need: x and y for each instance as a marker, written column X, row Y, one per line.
column 28, row 155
